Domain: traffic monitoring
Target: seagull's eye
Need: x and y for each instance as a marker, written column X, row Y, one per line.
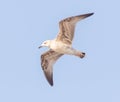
column 45, row 42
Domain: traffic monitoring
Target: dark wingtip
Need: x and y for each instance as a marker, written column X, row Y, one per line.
column 50, row 81
column 49, row 77
column 51, row 84
column 92, row 13
column 89, row 14
column 85, row 15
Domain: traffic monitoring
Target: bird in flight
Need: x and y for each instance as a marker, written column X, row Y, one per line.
column 61, row 45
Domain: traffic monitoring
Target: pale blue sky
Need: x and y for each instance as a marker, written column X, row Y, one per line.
column 24, row 24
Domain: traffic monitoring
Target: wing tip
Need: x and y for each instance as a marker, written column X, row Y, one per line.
column 49, row 77
column 50, row 82
column 89, row 14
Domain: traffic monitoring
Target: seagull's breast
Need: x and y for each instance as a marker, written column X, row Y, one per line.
column 59, row 47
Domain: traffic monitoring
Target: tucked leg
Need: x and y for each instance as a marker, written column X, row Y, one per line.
column 72, row 51
column 80, row 54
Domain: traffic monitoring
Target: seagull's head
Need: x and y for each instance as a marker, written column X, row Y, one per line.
column 45, row 44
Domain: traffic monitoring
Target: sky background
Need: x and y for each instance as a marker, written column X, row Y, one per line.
column 25, row 24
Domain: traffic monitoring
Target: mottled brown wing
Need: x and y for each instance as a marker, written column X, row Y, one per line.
column 67, row 27
column 47, row 61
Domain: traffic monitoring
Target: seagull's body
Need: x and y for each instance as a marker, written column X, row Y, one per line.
column 61, row 45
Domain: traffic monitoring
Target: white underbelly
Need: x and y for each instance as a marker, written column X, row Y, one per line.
column 62, row 48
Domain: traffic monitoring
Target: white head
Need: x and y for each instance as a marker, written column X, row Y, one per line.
column 45, row 44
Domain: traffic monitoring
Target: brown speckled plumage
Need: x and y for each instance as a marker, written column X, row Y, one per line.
column 61, row 45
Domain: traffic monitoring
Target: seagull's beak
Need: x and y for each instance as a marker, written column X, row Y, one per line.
column 40, row 46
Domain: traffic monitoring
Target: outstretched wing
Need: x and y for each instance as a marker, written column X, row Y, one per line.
column 47, row 61
column 67, row 27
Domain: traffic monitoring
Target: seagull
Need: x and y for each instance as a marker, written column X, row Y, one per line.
column 61, row 45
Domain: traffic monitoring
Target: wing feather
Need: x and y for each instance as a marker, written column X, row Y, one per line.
column 47, row 61
column 67, row 28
